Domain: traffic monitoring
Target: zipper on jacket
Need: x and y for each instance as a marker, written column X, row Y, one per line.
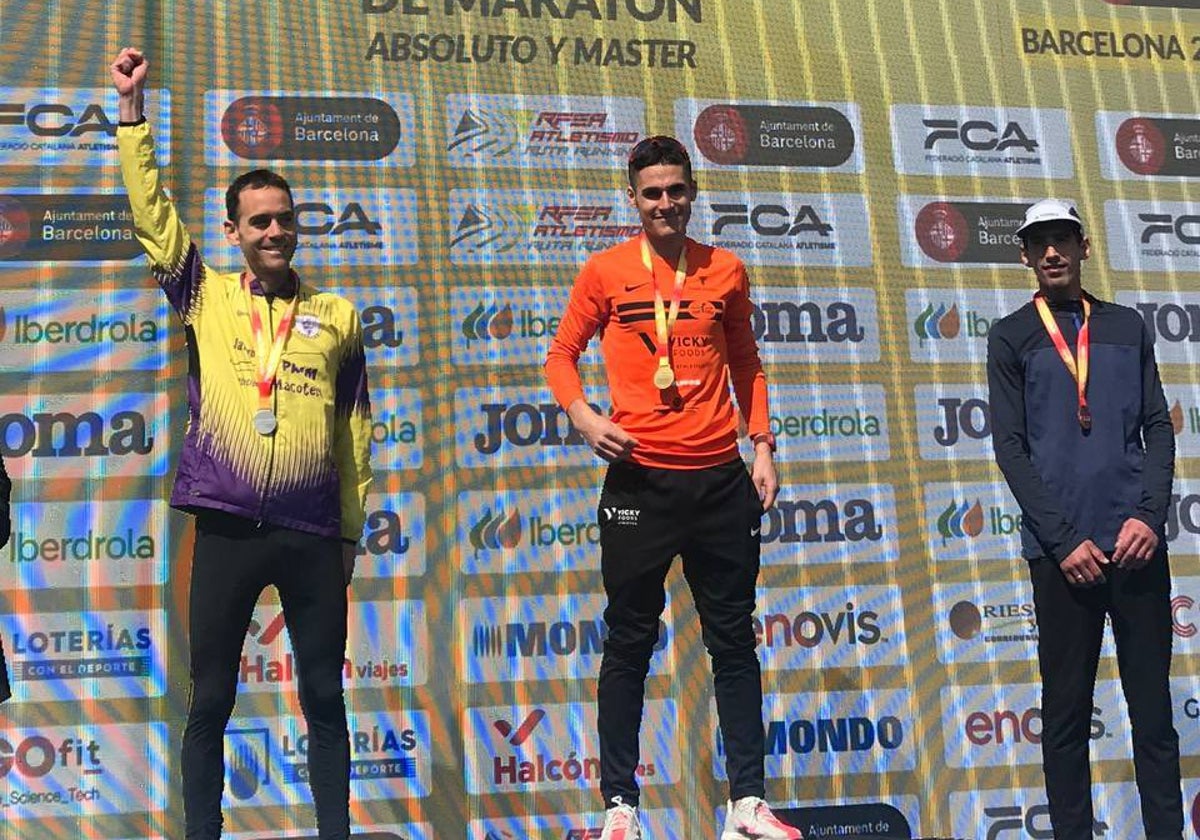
column 262, row 508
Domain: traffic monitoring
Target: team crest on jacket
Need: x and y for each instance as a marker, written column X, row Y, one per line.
column 308, row 326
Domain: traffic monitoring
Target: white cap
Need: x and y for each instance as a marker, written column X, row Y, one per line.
column 1050, row 210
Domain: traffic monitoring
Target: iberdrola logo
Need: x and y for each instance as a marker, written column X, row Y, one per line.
column 939, row 322
column 488, row 322
column 959, row 521
column 496, row 532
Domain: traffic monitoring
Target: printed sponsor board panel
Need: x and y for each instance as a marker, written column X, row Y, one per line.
column 387, row 645
column 949, row 232
column 1185, row 613
column 367, row 831
column 542, row 132
column 336, row 228
column 530, row 227
column 831, row 524
column 391, row 325
column 394, row 537
column 541, row 638
column 517, row 427
column 1024, row 813
column 1183, row 404
column 787, row 229
column 1173, row 321
column 266, row 759
column 805, row 136
column 1137, row 146
column 508, row 325
column 57, row 545
column 1185, row 697
column 53, row 330
column 42, row 128
column 972, row 521
column 84, row 435
column 1152, row 236
column 665, row 823
column 71, row 656
column 898, row 817
column 333, row 128
column 1183, row 518
column 814, row 324
column 982, row 141
column 828, row 423
column 1001, row 725
column 954, row 422
column 555, row 747
column 83, row 771
column 951, row 326
column 831, row 733
column 397, row 429
column 83, row 227
column 830, row 627
column 985, row 621
column 516, row 531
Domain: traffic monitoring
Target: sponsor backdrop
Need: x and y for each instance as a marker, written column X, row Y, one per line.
column 455, row 161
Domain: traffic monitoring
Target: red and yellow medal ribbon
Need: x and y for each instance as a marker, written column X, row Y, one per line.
column 267, row 358
column 1076, row 364
column 664, row 320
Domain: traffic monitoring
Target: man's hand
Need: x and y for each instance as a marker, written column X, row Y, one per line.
column 606, row 438
column 129, row 71
column 349, row 552
column 1136, row 544
column 764, row 476
column 1082, row 567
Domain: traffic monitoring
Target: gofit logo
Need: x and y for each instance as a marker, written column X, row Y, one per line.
column 790, row 322
column 960, row 520
column 1032, row 822
column 833, row 735
column 792, row 136
column 1008, row 622
column 494, row 533
column 1141, row 146
column 939, row 322
column 771, row 220
column 1007, row 726
column 498, row 322
column 979, row 136
column 56, row 119
column 384, row 535
column 810, row 629
column 14, row 227
column 524, row 424
column 35, row 756
column 520, row 734
column 971, row 418
column 63, row 434
column 821, row 521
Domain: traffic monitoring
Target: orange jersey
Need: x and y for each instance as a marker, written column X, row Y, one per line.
column 711, row 343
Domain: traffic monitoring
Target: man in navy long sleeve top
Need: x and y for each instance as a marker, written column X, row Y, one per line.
column 1082, row 434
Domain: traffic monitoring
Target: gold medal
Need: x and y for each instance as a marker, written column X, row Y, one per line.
column 664, row 377
column 265, row 422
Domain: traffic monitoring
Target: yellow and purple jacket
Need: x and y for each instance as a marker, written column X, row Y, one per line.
column 312, row 474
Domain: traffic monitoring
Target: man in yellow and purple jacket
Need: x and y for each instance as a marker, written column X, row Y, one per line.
column 275, row 461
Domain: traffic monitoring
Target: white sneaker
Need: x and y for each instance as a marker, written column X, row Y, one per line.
column 621, row 822
column 751, row 819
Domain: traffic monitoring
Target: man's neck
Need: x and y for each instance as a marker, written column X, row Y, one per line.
column 272, row 283
column 1069, row 294
column 669, row 248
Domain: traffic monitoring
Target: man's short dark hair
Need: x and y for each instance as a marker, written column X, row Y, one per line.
column 655, row 150
column 255, row 179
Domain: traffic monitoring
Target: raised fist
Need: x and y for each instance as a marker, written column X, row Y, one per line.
column 129, row 72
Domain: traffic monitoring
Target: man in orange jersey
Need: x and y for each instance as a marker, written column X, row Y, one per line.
column 675, row 322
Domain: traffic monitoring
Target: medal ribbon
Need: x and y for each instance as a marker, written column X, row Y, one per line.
column 267, row 359
column 664, row 321
column 1077, row 365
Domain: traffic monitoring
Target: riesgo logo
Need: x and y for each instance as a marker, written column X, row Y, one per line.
column 66, row 435
column 14, row 227
column 960, row 520
column 35, row 756
column 811, row 628
column 1007, row 622
column 821, row 520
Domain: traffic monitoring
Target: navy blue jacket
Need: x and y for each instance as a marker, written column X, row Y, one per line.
column 1073, row 484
